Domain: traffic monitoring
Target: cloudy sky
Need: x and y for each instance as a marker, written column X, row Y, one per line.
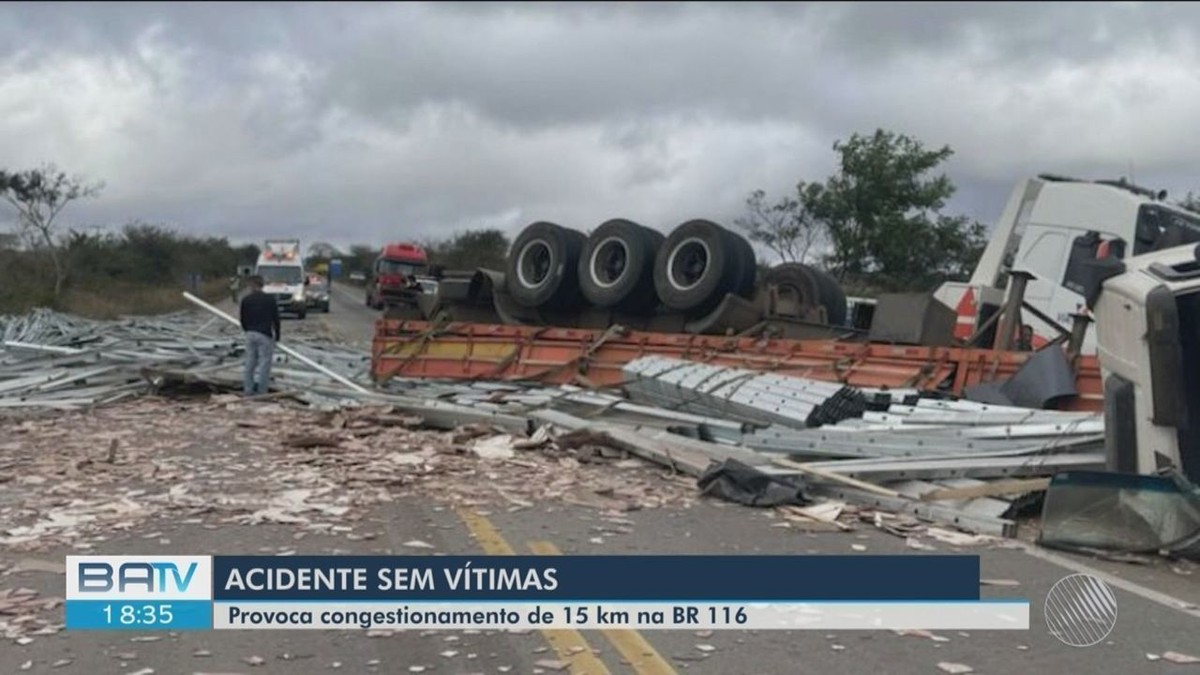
column 365, row 122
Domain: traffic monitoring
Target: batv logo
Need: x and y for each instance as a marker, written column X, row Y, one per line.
column 153, row 577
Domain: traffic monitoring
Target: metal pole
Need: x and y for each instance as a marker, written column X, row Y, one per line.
column 1012, row 310
column 1079, row 326
column 284, row 348
column 44, row 348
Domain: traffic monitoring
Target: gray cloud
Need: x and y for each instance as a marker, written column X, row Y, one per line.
column 369, row 121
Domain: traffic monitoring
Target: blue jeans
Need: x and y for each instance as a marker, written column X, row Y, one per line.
column 259, row 349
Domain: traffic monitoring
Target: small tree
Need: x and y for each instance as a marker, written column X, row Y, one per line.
column 39, row 195
column 785, row 227
column 882, row 210
column 1191, row 202
column 469, row 249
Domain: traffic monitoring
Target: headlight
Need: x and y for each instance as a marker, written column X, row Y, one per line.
column 298, row 296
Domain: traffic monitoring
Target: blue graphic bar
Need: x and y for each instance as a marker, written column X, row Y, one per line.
column 143, row 615
column 575, row 578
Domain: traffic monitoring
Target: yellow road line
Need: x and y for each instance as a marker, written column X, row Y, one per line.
column 640, row 654
column 568, row 644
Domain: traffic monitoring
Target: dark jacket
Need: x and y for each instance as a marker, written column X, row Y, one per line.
column 260, row 313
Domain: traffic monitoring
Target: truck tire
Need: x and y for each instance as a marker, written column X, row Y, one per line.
column 797, row 286
column 616, row 266
column 831, row 296
column 542, row 270
column 696, row 266
column 747, row 265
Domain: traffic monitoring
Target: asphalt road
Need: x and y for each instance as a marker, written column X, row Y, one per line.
column 1153, row 600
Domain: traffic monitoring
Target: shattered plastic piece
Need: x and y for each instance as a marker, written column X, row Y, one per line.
column 552, row 664
column 1181, row 659
column 958, row 538
column 417, row 543
column 917, row 544
column 61, row 663
column 143, row 671
column 706, row 648
column 253, row 660
column 999, row 582
column 955, row 668
column 496, row 447
column 858, row 547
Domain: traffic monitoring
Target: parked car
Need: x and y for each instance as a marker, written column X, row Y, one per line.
column 316, row 292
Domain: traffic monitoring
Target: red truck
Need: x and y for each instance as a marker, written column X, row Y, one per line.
column 394, row 276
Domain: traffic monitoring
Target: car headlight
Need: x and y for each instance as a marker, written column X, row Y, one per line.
column 298, row 296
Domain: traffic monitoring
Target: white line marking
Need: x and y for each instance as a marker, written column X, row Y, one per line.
column 1150, row 594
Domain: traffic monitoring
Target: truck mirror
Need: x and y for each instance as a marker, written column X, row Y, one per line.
column 1091, row 277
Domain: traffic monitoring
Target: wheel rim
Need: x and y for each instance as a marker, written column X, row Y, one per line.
column 688, row 264
column 609, row 262
column 535, row 263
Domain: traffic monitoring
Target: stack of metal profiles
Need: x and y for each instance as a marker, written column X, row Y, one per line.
column 57, row 361
column 749, row 395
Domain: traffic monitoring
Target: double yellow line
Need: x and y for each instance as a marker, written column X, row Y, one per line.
column 568, row 644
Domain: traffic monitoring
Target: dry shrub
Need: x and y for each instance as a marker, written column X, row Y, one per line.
column 124, row 299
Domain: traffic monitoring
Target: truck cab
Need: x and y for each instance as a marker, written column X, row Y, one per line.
column 394, row 276
column 1148, row 327
column 282, row 272
column 1049, row 228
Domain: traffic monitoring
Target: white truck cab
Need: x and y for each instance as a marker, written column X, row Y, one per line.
column 282, row 269
column 1148, row 328
column 1049, row 226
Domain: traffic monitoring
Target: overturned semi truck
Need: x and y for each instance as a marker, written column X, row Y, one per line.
column 700, row 279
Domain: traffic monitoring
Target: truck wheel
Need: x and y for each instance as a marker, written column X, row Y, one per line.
column 797, row 286
column 616, row 267
column 746, row 268
column 542, row 269
column 831, row 296
column 695, row 266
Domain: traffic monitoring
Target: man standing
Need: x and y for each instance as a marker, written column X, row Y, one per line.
column 260, row 320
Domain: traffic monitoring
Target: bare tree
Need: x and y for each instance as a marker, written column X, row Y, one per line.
column 39, row 195
column 785, row 227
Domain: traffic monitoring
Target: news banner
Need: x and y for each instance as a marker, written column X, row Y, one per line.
column 859, row 592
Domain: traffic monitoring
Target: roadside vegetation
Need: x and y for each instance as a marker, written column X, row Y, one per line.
column 140, row 269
